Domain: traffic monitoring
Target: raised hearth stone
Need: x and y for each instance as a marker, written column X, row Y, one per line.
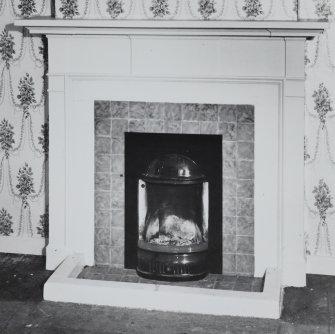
column 211, row 281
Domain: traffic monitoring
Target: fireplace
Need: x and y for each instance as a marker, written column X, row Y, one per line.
column 231, row 63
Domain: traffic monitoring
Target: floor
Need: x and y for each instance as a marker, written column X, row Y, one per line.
column 211, row 281
column 22, row 310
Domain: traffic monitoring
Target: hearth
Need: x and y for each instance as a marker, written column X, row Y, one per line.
column 173, row 219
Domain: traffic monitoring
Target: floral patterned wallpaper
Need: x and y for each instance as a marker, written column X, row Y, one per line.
column 178, row 9
column 320, row 134
column 23, row 126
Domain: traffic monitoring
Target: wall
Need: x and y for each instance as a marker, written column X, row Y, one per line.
column 23, row 133
column 320, row 143
column 27, row 208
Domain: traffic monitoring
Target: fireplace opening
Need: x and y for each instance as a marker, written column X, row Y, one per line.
column 173, row 219
column 173, row 205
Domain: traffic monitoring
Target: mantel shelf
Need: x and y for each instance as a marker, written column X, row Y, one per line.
column 301, row 29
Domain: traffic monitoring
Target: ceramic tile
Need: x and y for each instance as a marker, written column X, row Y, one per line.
column 119, row 109
column 245, row 114
column 191, row 112
column 229, row 150
column 245, row 169
column 229, row 263
column 190, row 127
column 116, row 270
column 245, row 264
column 136, row 125
column 245, row 188
column 117, row 236
column 117, row 146
column 102, row 145
column 245, row 245
column 102, row 109
column 173, row 112
column 102, row 181
column 102, row 219
column 229, row 243
column 229, row 206
column 102, row 127
column 229, row 225
column 102, row 254
column 224, row 285
column 209, row 128
column 208, row 112
column 117, row 183
column 257, row 285
column 229, row 168
column 172, row 126
column 102, row 163
column 113, row 277
column 228, row 131
column 154, row 126
column 243, row 286
column 245, row 131
column 117, row 218
column 229, row 187
column 102, row 200
column 117, row 163
column 245, row 226
column 119, row 127
column 228, row 113
column 102, row 236
column 155, row 111
column 245, row 207
column 117, row 199
column 244, row 279
column 245, row 151
column 137, row 110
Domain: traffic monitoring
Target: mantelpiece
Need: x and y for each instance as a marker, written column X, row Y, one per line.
column 231, row 62
column 304, row 29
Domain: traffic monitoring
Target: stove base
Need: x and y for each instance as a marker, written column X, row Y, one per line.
column 172, row 266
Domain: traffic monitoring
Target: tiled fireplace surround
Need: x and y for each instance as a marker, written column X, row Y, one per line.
column 235, row 123
column 214, row 62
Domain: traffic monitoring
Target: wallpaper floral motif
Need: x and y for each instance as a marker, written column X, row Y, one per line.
column 23, row 125
column 23, row 139
column 178, row 9
column 320, row 134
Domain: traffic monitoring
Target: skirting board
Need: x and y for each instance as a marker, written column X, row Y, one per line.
column 19, row 245
column 64, row 286
column 321, row 265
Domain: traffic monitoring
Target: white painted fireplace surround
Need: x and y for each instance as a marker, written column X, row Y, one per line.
column 257, row 63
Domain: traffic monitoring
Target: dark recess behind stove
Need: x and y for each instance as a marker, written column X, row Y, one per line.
column 205, row 150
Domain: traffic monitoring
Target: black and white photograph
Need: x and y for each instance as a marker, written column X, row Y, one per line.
column 167, row 166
